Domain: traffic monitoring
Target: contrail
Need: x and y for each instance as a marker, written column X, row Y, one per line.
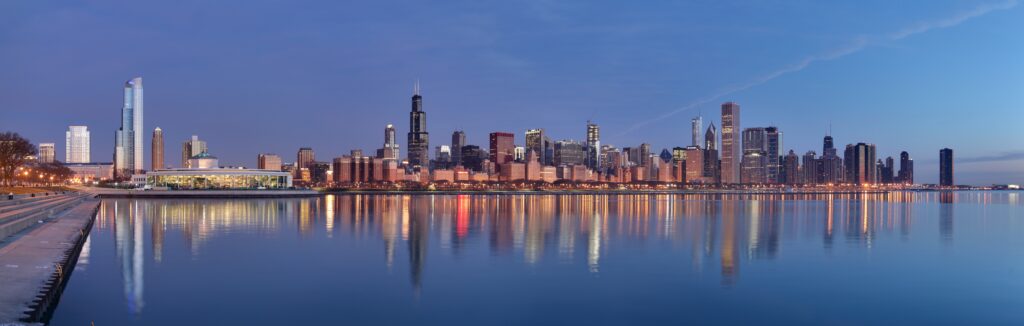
column 856, row 45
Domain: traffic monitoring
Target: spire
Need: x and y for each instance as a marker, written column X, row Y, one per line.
column 416, row 88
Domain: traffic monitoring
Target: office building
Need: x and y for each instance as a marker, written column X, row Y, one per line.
column 473, row 157
column 731, row 153
column 711, row 137
column 593, row 159
column 128, row 149
column 305, row 157
column 391, row 149
column 502, row 148
column 536, row 142
column 47, row 152
column 418, row 140
column 831, row 171
column 696, row 126
column 91, row 172
column 569, row 152
column 791, row 166
column 906, row 174
column 809, row 172
column 860, row 164
column 458, row 141
column 754, row 163
column 76, row 145
column 190, row 148
column 268, row 161
column 156, row 162
column 946, row 167
column 773, row 146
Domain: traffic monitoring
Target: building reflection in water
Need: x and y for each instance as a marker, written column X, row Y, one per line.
column 946, row 202
column 571, row 229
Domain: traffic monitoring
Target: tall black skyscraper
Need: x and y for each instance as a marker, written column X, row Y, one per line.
column 946, row 167
column 419, row 140
column 458, row 140
column 906, row 174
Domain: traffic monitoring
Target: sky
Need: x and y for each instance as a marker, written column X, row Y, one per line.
column 256, row 76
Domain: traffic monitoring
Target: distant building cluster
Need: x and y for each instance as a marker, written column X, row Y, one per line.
column 727, row 154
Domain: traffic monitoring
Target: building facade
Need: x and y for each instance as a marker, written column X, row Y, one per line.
column 391, row 148
column 754, row 164
column 268, row 161
column 860, row 164
column 76, row 145
column 418, row 139
column 593, row 159
column 458, row 140
column 502, row 148
column 731, row 153
column 773, row 147
column 156, row 162
column 946, row 167
column 190, row 148
column 128, row 147
column 906, row 174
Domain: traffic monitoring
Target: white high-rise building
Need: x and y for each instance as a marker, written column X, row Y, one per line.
column 76, row 144
column 128, row 148
column 46, row 152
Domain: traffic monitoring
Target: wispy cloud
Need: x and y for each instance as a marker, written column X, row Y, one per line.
column 856, row 45
column 1004, row 156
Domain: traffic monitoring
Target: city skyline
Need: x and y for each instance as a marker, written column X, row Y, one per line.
column 898, row 122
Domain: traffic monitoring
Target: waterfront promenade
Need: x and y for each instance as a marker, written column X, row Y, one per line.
column 133, row 193
column 40, row 238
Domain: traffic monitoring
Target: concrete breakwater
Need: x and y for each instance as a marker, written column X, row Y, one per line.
column 36, row 262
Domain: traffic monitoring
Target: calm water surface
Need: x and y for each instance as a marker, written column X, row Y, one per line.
column 898, row 259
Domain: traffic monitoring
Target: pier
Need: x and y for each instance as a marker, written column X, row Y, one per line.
column 40, row 239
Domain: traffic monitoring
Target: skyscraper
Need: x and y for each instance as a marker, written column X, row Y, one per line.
column 946, row 167
column 458, row 141
column 906, row 174
column 190, row 148
column 696, row 125
column 390, row 143
column 268, row 162
column 157, row 148
column 305, row 157
column 830, row 162
column 810, row 168
column 502, row 147
column 593, row 145
column 754, row 163
column 76, row 144
column 711, row 137
column 419, row 139
column 792, row 168
column 860, row 164
column 47, row 151
column 535, row 142
column 773, row 142
column 128, row 149
column 730, row 169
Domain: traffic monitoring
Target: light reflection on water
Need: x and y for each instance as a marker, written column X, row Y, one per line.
column 717, row 234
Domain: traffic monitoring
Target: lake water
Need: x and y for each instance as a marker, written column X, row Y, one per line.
column 898, row 259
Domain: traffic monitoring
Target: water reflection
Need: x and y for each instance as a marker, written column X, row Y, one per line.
column 536, row 229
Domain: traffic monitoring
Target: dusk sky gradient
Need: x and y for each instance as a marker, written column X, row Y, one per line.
column 271, row 76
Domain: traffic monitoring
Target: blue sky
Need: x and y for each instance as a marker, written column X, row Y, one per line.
column 273, row 76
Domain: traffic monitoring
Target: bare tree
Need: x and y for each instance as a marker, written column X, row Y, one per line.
column 14, row 150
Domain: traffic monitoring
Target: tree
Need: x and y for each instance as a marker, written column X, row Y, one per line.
column 14, row 150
